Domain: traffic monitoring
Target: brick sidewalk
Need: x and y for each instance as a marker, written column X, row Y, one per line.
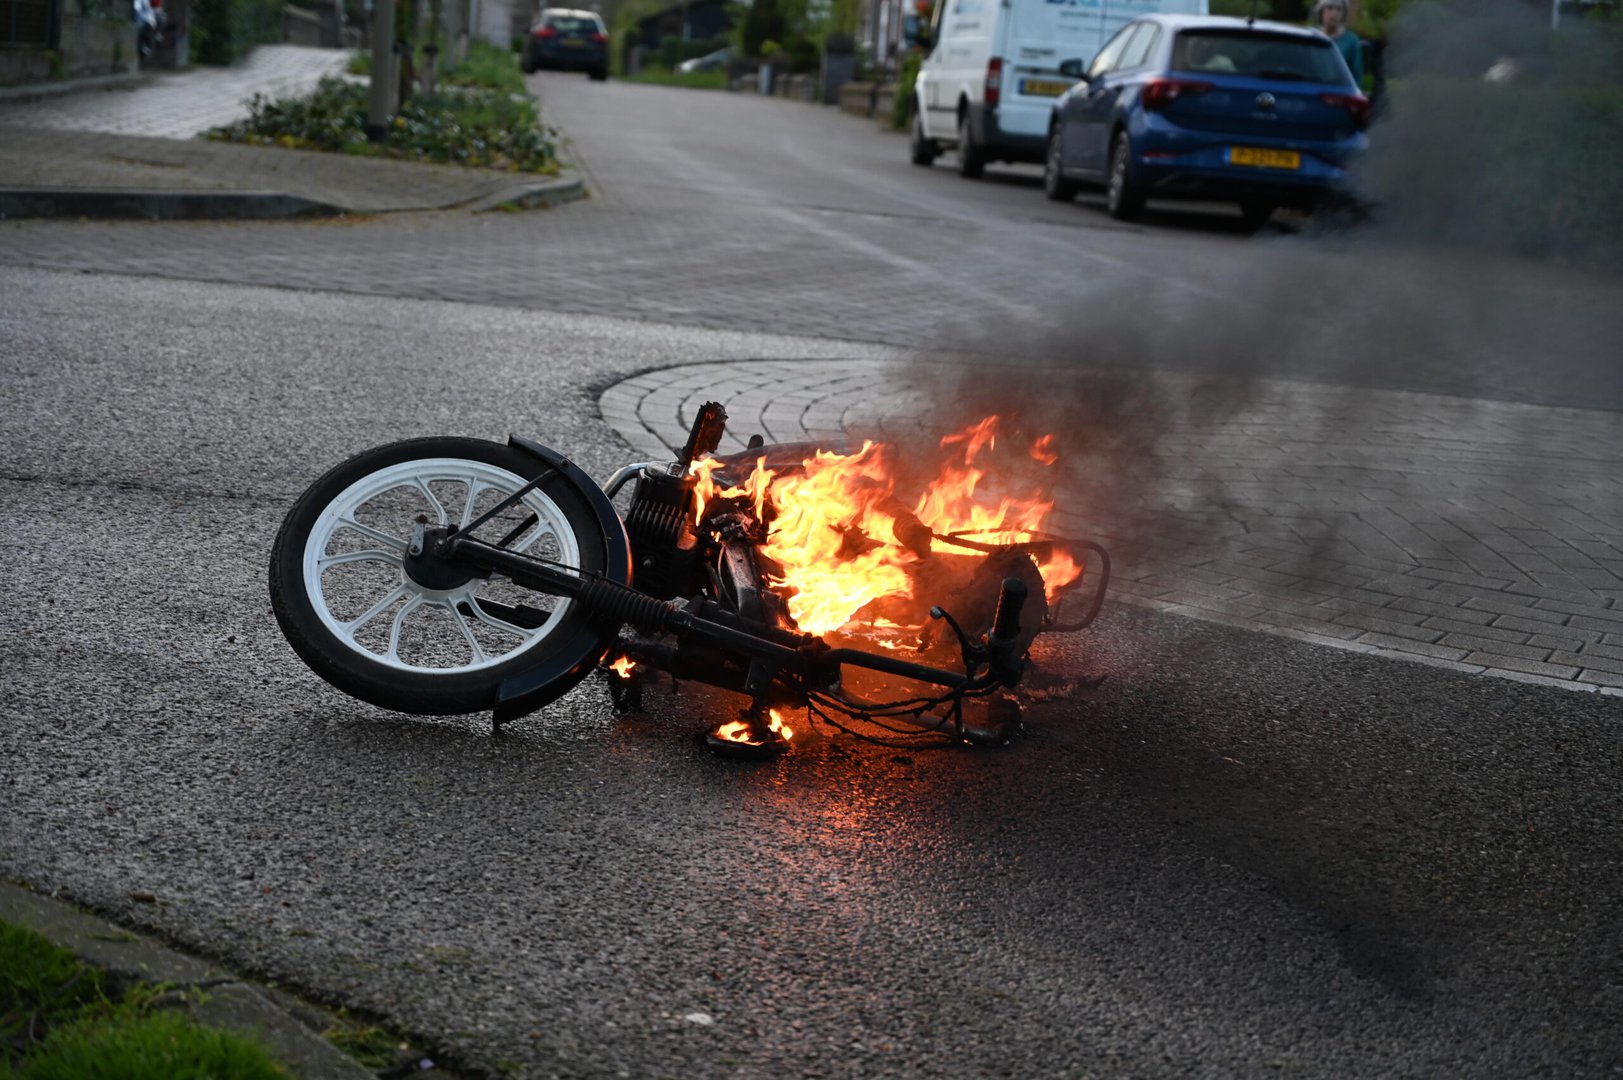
column 43, row 158
column 184, row 104
column 145, row 140
column 1426, row 535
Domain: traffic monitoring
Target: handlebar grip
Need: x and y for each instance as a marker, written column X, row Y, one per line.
column 1010, row 599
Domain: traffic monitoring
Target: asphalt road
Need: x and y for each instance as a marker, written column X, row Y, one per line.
column 739, row 212
column 1240, row 856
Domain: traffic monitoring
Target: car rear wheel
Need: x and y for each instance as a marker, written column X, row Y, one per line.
column 970, row 162
column 1055, row 186
column 922, row 150
column 1124, row 200
column 598, row 74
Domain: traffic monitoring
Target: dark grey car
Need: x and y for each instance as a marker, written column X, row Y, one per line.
column 563, row 39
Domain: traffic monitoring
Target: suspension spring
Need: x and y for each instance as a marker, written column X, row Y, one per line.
column 622, row 605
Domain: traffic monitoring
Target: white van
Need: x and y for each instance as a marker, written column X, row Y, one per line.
column 989, row 83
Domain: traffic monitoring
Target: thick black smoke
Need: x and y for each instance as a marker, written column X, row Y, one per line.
column 1499, row 134
column 1484, row 273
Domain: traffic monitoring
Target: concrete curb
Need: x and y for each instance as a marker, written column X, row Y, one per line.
column 130, row 204
column 532, row 196
column 37, row 91
column 146, row 205
column 226, row 1000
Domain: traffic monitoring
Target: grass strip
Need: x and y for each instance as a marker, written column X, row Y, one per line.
column 58, row 1022
column 161, row 1046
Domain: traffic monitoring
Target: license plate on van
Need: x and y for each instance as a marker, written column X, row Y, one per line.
column 1265, row 159
column 1043, row 87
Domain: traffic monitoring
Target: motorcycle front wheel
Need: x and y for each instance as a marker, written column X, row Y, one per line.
column 432, row 640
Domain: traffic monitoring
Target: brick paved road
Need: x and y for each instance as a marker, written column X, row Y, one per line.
column 1456, row 530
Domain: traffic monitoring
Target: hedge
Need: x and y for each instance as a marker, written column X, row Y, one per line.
column 1526, row 168
column 222, row 31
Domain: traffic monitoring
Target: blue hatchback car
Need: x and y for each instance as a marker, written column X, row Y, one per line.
column 1203, row 107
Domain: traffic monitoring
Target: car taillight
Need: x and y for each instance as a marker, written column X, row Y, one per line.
column 1159, row 93
column 600, row 38
column 994, row 80
column 1356, row 104
column 545, row 32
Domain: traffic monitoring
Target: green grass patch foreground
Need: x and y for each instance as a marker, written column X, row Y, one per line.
column 57, row 1022
column 484, row 128
column 697, row 80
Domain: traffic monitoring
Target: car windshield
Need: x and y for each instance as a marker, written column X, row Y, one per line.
column 1257, row 55
column 572, row 24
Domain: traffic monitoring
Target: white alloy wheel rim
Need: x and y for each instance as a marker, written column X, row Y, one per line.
column 354, row 519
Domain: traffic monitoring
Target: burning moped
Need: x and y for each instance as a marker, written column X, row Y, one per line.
column 454, row 575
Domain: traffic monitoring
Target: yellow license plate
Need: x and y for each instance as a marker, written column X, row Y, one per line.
column 574, row 41
column 1265, row 159
column 1043, row 87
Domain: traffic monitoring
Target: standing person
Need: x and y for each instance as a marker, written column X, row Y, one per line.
column 1330, row 19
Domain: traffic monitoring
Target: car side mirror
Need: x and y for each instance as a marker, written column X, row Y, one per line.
column 1071, row 69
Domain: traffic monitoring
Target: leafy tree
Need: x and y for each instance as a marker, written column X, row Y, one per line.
column 763, row 22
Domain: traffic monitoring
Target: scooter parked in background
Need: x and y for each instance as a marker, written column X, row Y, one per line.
column 150, row 23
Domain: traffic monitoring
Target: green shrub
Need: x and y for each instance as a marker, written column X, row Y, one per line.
column 222, row 31
column 485, row 128
column 1522, row 168
column 488, row 66
column 901, row 109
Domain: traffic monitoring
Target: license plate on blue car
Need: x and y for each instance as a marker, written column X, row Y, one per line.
column 1264, row 159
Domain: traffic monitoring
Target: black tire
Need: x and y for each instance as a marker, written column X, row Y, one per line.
column 1124, row 200
column 598, row 75
column 1055, row 185
column 526, row 63
column 313, row 625
column 971, row 164
column 921, row 151
column 1256, row 213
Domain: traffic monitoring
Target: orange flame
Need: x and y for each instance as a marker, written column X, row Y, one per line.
column 974, row 437
column 623, row 667
column 832, row 526
column 739, row 732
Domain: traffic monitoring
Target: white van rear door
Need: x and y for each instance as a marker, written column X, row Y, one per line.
column 1042, row 34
